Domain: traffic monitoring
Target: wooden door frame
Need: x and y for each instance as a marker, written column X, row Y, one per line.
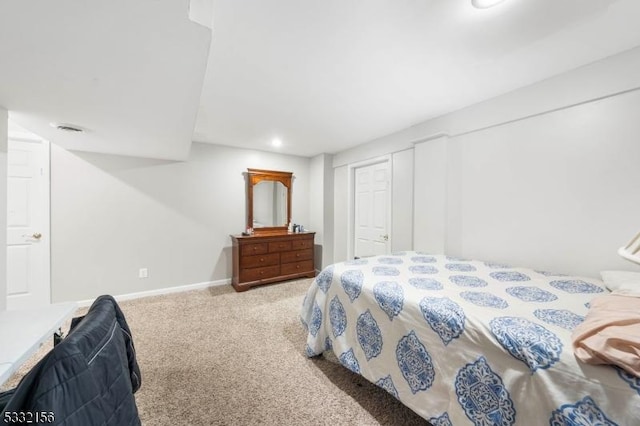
column 46, row 200
column 351, row 185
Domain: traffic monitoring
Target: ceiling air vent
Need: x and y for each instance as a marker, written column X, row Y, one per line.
column 69, row 128
column 66, row 127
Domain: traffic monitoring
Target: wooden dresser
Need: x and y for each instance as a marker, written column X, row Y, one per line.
column 269, row 258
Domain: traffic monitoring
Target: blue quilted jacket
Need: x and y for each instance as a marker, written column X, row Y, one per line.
column 89, row 378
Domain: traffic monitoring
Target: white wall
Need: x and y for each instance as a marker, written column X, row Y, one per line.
column 559, row 191
column 546, row 176
column 112, row 215
column 430, row 203
column 4, row 133
column 402, row 200
column 340, row 213
column 321, row 208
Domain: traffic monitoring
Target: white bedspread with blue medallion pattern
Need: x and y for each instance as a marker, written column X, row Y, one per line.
column 467, row 342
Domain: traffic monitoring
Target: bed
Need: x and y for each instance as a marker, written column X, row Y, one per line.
column 465, row 342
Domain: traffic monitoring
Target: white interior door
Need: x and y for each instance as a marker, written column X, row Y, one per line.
column 28, row 275
column 371, row 210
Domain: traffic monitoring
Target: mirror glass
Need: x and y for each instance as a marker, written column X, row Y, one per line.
column 269, row 204
column 268, row 200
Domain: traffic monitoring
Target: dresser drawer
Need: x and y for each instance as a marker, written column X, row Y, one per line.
column 295, row 256
column 296, row 267
column 270, row 257
column 279, row 246
column 255, row 274
column 259, row 260
column 302, row 243
column 254, row 248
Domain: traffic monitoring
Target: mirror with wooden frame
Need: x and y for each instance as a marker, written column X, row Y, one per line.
column 268, row 200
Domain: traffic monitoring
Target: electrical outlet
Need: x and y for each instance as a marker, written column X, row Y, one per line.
column 143, row 273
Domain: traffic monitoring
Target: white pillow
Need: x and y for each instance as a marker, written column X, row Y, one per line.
column 621, row 281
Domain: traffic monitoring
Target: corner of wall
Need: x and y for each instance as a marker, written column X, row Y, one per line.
column 321, row 207
column 340, row 213
column 329, row 211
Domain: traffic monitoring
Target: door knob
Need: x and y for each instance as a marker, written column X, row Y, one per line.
column 35, row 235
column 385, row 237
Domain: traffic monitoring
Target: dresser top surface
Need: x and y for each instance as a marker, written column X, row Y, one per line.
column 275, row 235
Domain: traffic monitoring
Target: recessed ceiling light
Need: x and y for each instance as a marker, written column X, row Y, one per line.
column 66, row 127
column 276, row 142
column 484, row 4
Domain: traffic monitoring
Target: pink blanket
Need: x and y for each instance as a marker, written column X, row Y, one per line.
column 610, row 334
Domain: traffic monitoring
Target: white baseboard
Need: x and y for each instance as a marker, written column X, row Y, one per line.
column 160, row 291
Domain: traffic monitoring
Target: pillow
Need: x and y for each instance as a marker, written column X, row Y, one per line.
column 622, row 281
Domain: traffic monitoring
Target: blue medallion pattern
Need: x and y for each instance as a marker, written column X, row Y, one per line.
column 343, row 313
column 387, row 384
column 324, row 279
column 493, row 265
column 455, row 259
column 529, row 342
column 356, row 262
column 467, row 281
column 349, row 360
column 415, row 363
column 423, row 269
column 425, row 283
column 351, row 281
column 460, row 267
column 390, row 297
column 309, row 352
column 442, row 420
column 369, row 335
column 632, row 380
column 386, row 271
column 576, row 286
column 550, row 274
column 583, row 413
column 482, row 298
column 560, row 317
column 423, row 259
column 531, row 294
column 509, row 276
column 390, row 260
column 483, row 396
column 444, row 316
column 316, row 320
column 327, row 344
column 337, row 317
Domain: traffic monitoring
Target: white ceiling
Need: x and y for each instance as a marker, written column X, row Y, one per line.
column 322, row 76
column 129, row 72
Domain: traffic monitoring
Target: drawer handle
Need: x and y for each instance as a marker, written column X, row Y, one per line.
column 262, row 259
column 298, row 255
column 255, row 248
column 261, row 272
column 297, row 266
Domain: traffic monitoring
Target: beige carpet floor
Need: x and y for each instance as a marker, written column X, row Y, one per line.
column 217, row 357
